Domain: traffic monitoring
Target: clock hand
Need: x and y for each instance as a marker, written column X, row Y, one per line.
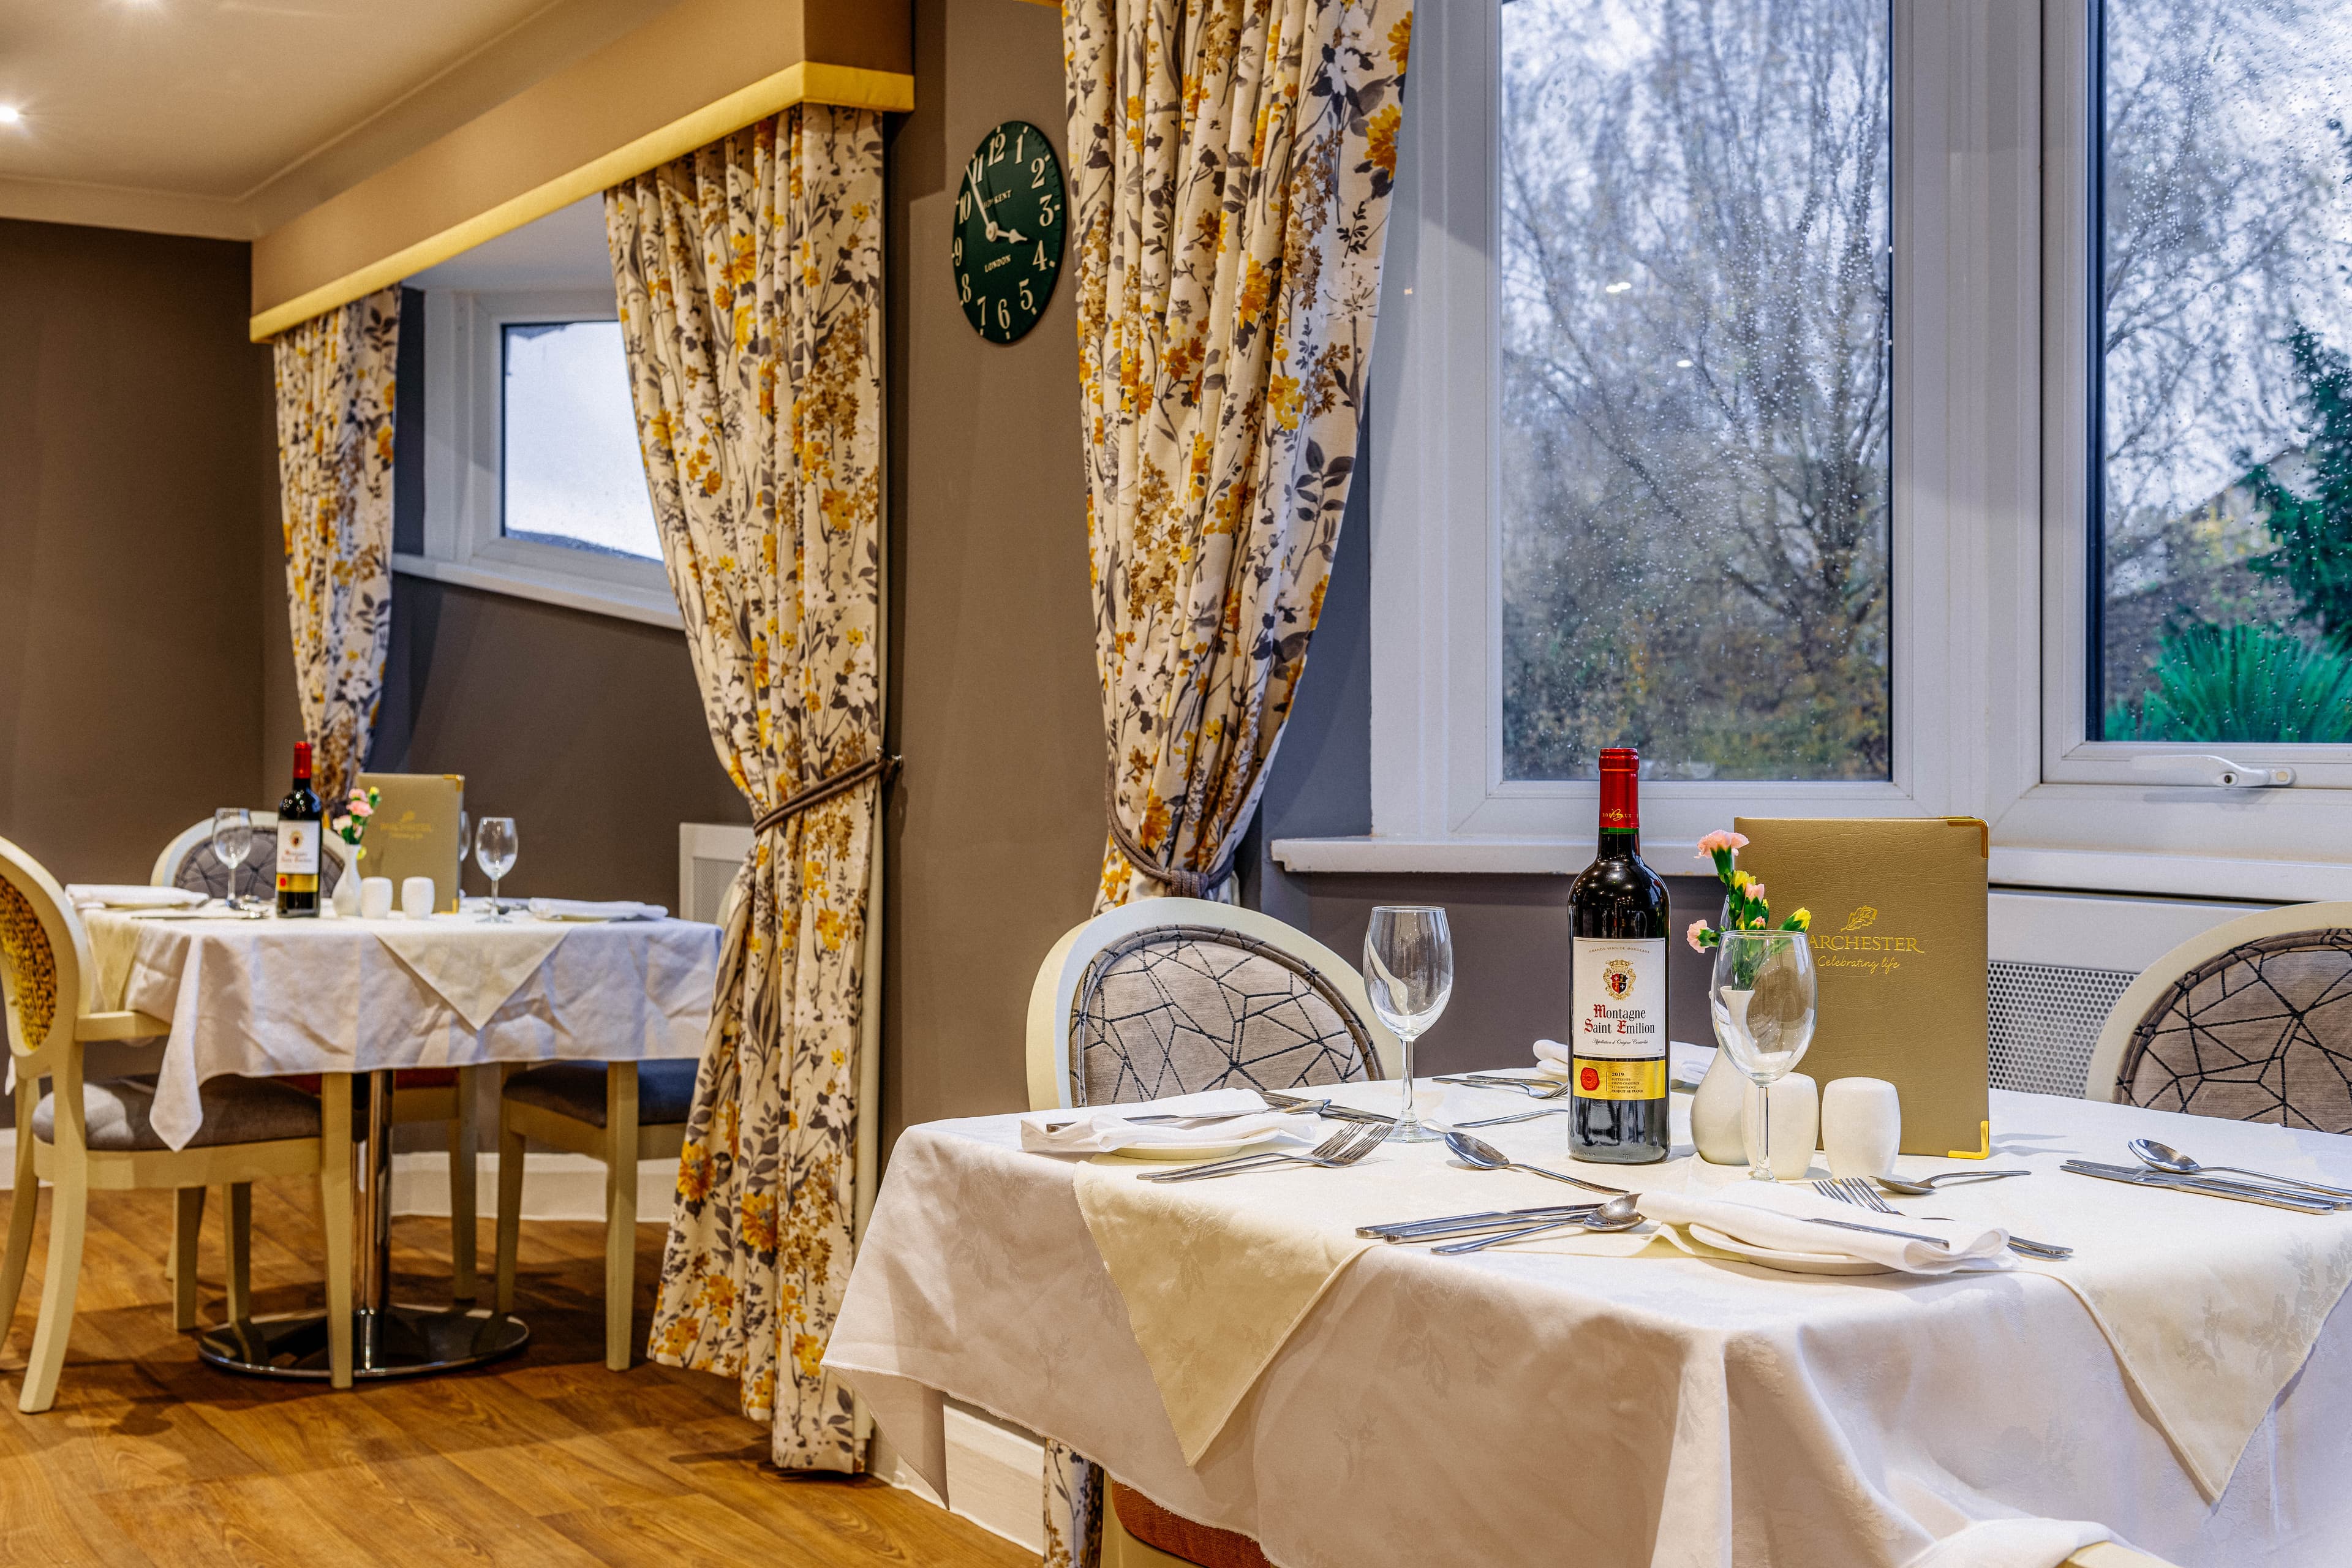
column 1014, row 234
column 971, row 177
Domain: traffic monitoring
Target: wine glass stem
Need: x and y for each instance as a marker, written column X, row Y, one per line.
column 495, row 913
column 1406, row 1117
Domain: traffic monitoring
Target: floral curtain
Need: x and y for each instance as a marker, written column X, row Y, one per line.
column 749, row 282
column 334, row 376
column 1233, row 161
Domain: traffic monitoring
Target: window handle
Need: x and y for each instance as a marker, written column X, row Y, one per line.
column 2218, row 771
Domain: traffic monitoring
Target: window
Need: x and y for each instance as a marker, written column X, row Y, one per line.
column 1857, row 406
column 2223, row 582
column 1695, row 401
column 533, row 485
column 569, row 473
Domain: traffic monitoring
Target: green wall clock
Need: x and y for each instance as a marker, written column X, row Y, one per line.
column 1011, row 217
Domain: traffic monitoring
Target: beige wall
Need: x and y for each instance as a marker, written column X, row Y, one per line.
column 996, row 824
column 138, row 527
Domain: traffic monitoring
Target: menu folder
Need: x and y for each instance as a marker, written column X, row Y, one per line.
column 415, row 831
column 1898, row 936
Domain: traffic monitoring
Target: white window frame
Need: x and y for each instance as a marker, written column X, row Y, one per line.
column 1989, row 156
column 463, row 542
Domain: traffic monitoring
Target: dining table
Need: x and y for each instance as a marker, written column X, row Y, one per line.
column 355, row 1000
column 1237, row 1351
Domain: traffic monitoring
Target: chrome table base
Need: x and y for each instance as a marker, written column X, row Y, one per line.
column 387, row 1340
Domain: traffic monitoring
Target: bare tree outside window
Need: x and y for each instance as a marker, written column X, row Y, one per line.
column 2225, row 577
column 1695, row 386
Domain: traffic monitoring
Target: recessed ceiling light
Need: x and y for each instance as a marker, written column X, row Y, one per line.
column 10, row 114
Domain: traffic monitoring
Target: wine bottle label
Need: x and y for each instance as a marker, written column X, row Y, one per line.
column 298, row 856
column 1618, row 991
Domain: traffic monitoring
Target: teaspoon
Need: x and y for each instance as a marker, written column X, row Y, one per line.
column 1916, row 1189
column 1478, row 1151
column 2166, row 1158
column 1617, row 1213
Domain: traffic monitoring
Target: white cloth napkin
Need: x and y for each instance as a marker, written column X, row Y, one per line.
column 130, row 895
column 588, row 909
column 1105, row 1130
column 1779, row 1217
column 1551, row 1059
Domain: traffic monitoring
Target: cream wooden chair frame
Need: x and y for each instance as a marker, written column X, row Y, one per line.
column 1056, row 988
column 73, row 1168
column 452, row 1104
column 2114, row 1036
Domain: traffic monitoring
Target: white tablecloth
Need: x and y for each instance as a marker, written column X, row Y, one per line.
column 1550, row 1408
column 265, row 998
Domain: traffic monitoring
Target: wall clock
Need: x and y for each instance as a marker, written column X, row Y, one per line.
column 1011, row 217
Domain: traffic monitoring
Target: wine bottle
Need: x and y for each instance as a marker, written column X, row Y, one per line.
column 298, row 841
column 1617, row 985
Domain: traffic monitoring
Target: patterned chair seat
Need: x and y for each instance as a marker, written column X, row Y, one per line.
column 664, row 1091
column 2262, row 1032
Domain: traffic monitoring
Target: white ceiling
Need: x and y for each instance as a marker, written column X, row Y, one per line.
column 228, row 117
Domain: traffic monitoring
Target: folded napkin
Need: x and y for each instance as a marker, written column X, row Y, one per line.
column 586, row 910
column 1780, row 1218
column 1106, row 1130
column 130, row 895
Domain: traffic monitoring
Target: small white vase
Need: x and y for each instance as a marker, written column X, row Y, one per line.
column 346, row 896
column 1715, row 1116
column 1796, row 1125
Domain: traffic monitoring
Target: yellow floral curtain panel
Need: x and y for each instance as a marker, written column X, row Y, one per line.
column 334, row 377
column 749, row 282
column 1233, row 161
column 1232, row 166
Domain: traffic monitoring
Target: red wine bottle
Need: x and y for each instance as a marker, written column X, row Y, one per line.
column 1617, row 985
column 298, row 846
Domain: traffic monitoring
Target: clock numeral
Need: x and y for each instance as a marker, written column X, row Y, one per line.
column 955, row 251
column 1041, row 255
column 1026, row 302
column 964, row 281
column 963, row 207
column 1036, row 174
column 1004, row 316
column 1019, row 145
column 1047, row 213
column 996, row 148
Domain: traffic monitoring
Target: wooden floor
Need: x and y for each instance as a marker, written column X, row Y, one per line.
column 149, row 1457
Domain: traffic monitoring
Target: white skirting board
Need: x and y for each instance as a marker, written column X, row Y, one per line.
column 996, row 1475
column 554, row 1185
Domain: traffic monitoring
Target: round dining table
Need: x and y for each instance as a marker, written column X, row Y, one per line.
column 356, row 1001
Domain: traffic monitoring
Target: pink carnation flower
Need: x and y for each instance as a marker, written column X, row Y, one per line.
column 1692, row 936
column 1721, row 839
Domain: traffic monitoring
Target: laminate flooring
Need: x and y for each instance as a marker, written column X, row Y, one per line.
column 544, row 1460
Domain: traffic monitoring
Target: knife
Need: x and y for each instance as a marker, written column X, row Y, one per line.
column 2138, row 1177
column 1329, row 1112
column 1500, row 1219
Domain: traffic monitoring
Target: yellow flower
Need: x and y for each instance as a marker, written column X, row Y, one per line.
column 694, row 1173
column 758, row 1226
column 1282, row 401
column 1400, row 42
column 1802, row 920
column 808, row 1354
column 1379, row 147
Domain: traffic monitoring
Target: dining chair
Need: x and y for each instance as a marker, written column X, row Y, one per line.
column 2251, row 1021
column 98, row 1134
column 1173, row 996
column 443, row 1095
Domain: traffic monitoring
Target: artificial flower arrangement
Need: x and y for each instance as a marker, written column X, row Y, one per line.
column 351, row 823
column 1743, row 895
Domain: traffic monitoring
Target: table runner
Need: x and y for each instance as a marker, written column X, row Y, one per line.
column 1535, row 1409
column 267, row 998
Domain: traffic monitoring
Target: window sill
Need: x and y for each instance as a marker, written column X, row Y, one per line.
column 619, row 600
column 2069, row 870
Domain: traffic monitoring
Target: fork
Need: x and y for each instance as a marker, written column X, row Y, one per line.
column 1344, row 1147
column 1326, row 1109
column 1861, row 1194
column 1534, row 1089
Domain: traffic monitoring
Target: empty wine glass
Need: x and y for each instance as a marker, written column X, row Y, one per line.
column 464, row 837
column 1762, row 996
column 1408, row 975
column 232, row 842
column 494, row 852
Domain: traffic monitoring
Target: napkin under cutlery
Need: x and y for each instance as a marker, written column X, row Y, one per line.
column 2209, row 1186
column 589, row 910
column 130, row 895
column 1107, row 1129
column 1788, row 1220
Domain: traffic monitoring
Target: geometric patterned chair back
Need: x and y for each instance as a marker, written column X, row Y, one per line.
column 2259, row 1033
column 199, row 871
column 1176, row 1009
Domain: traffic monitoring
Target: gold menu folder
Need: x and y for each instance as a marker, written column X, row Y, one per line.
column 1898, row 938
column 415, row 831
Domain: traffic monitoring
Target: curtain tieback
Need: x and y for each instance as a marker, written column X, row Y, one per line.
column 825, row 789
column 1182, row 881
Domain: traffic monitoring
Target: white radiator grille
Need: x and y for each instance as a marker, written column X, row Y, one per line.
column 2045, row 1019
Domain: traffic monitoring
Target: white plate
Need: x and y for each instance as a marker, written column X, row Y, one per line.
column 1208, row 1148
column 1788, row 1262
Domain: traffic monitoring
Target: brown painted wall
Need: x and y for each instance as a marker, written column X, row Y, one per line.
column 996, row 824
column 138, row 530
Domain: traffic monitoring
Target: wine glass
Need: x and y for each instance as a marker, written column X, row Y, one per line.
column 465, row 836
column 494, row 852
column 1408, row 975
column 232, row 842
column 1762, row 996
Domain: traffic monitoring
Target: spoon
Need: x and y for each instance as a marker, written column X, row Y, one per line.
column 2166, row 1158
column 1617, row 1213
column 1915, row 1189
column 1475, row 1151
